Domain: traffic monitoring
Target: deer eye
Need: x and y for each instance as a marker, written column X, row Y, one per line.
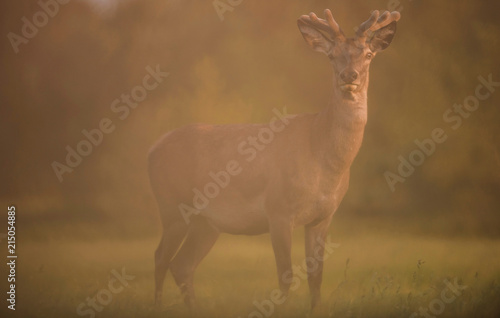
column 369, row 55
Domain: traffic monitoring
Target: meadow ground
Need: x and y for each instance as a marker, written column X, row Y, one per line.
column 369, row 274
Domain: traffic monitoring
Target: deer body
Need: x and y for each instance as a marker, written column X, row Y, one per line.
column 289, row 167
column 299, row 179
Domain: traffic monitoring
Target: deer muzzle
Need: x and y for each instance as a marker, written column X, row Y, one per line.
column 348, row 79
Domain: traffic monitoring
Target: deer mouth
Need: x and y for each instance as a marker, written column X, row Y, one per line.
column 348, row 87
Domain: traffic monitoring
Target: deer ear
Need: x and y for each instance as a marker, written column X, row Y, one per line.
column 315, row 38
column 383, row 37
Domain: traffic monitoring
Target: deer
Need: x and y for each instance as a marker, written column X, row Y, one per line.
column 299, row 179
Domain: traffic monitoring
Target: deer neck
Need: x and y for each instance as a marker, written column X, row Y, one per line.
column 338, row 129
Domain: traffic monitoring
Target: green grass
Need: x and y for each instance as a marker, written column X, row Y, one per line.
column 371, row 274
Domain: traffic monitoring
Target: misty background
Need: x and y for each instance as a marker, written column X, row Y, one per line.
column 236, row 71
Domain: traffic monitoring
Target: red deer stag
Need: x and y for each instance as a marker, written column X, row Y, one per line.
column 299, row 179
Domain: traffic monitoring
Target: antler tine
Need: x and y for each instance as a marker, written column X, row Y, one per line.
column 333, row 24
column 365, row 26
column 386, row 19
column 376, row 22
column 329, row 25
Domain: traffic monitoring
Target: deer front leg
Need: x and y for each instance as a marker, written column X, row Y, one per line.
column 315, row 241
column 281, row 237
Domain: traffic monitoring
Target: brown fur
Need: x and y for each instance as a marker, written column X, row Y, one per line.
column 299, row 179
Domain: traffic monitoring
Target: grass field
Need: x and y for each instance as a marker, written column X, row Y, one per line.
column 370, row 274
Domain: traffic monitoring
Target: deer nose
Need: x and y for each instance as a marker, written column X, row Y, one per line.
column 349, row 75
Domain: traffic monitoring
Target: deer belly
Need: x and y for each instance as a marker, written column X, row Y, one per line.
column 312, row 209
column 238, row 216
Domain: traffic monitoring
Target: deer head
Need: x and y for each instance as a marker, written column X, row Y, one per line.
column 350, row 57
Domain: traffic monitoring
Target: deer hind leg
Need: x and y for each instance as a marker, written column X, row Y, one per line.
column 200, row 239
column 281, row 238
column 172, row 237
